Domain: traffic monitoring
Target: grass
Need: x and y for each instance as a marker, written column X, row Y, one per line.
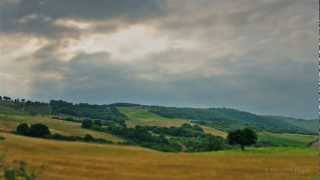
column 139, row 116
column 142, row 117
column 284, row 139
column 81, row 161
column 9, row 122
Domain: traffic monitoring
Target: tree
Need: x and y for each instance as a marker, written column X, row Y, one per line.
column 39, row 130
column 88, row 138
column 244, row 137
column 23, row 129
column 86, row 124
column 98, row 123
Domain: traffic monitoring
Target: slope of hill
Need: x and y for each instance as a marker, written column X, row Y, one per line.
column 286, row 140
column 310, row 125
column 82, row 161
column 229, row 119
column 140, row 116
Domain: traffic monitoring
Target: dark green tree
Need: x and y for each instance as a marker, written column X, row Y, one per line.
column 243, row 137
column 23, row 129
column 86, row 124
column 98, row 123
column 88, row 138
column 39, row 130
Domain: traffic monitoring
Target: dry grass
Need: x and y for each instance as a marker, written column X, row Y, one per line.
column 73, row 160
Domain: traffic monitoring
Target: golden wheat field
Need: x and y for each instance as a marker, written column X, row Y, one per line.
column 80, row 161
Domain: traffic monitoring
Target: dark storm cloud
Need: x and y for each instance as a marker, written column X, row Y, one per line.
column 37, row 16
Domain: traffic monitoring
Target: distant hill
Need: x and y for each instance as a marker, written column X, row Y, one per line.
column 224, row 119
column 228, row 119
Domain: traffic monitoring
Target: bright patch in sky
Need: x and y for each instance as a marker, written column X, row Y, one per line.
column 127, row 44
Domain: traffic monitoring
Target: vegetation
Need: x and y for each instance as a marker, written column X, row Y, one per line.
column 224, row 119
column 284, row 139
column 20, row 171
column 173, row 139
column 143, row 126
column 86, row 124
column 100, row 112
column 242, row 137
column 35, row 130
column 8, row 123
column 85, row 138
column 74, row 160
column 229, row 119
column 42, row 131
column 138, row 116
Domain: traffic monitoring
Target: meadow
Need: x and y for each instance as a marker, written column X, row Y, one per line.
column 290, row 158
column 75, row 160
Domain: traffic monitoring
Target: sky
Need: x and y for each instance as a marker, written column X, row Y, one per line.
column 258, row 56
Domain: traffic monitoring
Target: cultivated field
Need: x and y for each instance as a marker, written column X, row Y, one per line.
column 74, row 160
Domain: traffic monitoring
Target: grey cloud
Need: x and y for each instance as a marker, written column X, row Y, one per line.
column 266, row 51
column 45, row 12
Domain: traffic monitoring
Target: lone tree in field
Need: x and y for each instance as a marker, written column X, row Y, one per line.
column 243, row 137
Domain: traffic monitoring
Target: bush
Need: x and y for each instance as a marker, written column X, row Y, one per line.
column 39, row 130
column 35, row 130
column 88, row 138
column 20, row 170
column 86, row 124
column 23, row 129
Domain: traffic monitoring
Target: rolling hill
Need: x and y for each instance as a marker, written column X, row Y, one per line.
column 229, row 119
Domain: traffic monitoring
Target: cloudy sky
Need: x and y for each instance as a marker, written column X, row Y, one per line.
column 254, row 55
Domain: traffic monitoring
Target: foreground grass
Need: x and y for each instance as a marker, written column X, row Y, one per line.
column 9, row 123
column 74, row 160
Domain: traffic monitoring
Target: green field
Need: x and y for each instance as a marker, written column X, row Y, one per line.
column 139, row 116
column 287, row 140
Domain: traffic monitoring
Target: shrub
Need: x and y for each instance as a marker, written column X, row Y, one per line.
column 39, row 130
column 86, row 124
column 23, row 129
column 20, row 170
column 88, row 138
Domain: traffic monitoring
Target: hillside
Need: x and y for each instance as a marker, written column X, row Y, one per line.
column 224, row 119
column 82, row 161
column 311, row 125
column 142, row 117
column 156, row 127
column 229, row 119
